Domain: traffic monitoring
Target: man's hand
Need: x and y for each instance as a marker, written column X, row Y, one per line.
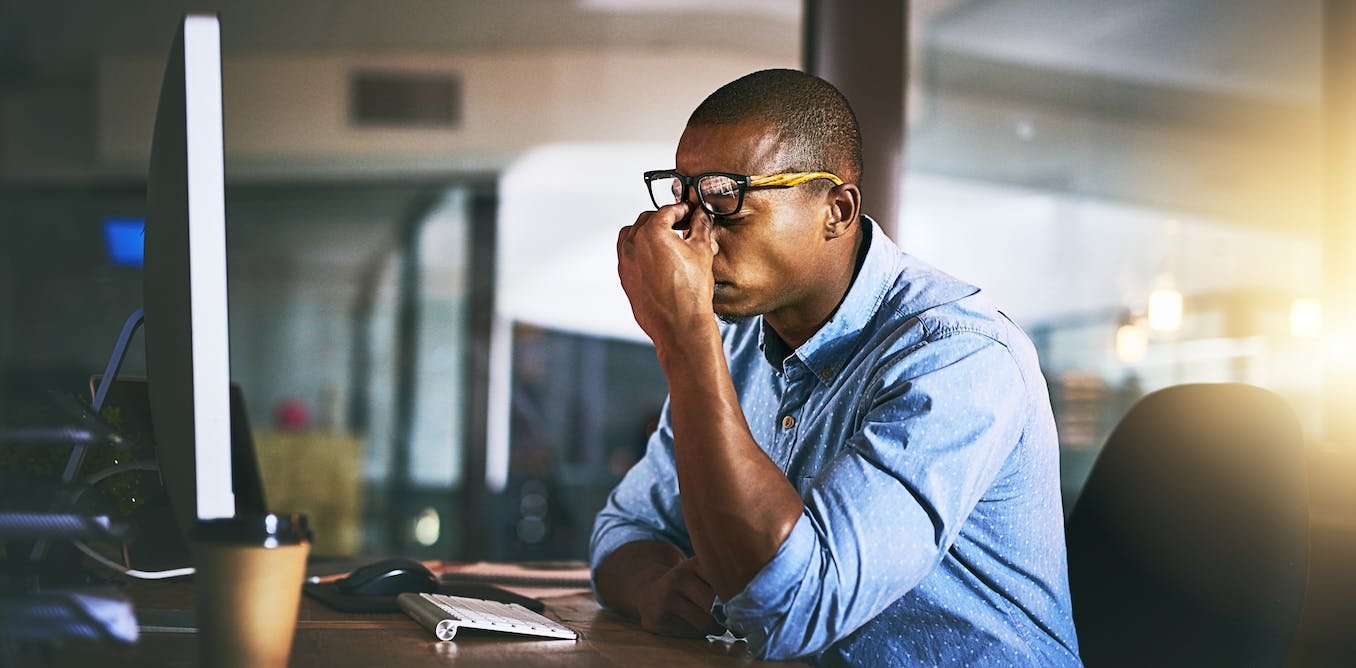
column 678, row 604
column 667, row 274
column 655, row 583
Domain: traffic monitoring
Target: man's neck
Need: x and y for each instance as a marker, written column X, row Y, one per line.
column 795, row 328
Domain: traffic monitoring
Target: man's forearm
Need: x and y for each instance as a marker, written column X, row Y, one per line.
column 738, row 505
column 629, row 568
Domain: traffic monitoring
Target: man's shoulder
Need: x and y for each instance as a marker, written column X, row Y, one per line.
column 928, row 305
column 939, row 301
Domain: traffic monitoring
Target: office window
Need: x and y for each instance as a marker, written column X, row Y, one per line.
column 1136, row 184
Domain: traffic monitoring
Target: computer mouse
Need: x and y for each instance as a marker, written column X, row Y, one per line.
column 388, row 577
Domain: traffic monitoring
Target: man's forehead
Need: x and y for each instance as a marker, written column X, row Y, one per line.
column 745, row 148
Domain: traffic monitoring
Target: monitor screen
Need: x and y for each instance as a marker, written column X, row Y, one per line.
column 124, row 238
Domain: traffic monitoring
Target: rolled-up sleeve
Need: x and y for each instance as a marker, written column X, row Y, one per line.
column 881, row 515
column 644, row 505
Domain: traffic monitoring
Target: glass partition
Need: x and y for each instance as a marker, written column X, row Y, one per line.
column 1135, row 183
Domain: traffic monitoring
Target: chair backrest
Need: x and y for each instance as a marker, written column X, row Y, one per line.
column 1189, row 543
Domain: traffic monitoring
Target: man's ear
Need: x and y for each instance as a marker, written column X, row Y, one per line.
column 844, row 208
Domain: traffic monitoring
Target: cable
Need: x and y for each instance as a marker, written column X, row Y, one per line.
column 137, row 465
column 130, row 572
column 134, row 465
column 40, row 545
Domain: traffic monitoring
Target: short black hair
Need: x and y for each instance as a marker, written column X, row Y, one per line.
column 818, row 129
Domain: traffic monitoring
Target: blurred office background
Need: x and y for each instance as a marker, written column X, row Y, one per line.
column 422, row 200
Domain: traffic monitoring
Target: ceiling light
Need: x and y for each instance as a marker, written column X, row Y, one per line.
column 1306, row 318
column 1132, row 342
column 1165, row 310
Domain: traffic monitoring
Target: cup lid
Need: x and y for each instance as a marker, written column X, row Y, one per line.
column 268, row 530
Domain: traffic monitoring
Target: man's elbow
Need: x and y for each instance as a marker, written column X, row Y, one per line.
column 803, row 623
column 786, row 639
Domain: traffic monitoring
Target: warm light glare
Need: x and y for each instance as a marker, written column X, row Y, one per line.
column 1306, row 318
column 1341, row 353
column 1165, row 310
column 1131, row 343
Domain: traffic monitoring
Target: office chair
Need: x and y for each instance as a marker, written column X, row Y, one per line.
column 1189, row 543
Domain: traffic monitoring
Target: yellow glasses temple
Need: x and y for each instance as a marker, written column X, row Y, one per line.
column 788, row 179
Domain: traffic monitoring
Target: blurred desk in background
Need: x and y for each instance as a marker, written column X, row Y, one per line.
column 318, row 473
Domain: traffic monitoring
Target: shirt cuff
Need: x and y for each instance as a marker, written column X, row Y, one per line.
column 759, row 610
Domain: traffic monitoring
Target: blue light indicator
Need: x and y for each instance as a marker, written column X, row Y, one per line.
column 126, row 239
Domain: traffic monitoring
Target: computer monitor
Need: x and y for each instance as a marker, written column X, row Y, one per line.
column 187, row 344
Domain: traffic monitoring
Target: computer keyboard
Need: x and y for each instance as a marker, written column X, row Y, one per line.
column 443, row 615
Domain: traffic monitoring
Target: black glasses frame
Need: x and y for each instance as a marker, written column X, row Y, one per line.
column 741, row 181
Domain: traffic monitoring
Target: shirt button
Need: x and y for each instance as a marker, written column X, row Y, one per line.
column 788, row 422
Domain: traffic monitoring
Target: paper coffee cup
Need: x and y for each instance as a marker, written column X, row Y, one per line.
column 249, row 572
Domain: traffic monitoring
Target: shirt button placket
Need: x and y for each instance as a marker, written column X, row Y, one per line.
column 792, row 399
column 786, row 442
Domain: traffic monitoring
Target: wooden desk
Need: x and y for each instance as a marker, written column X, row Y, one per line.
column 327, row 638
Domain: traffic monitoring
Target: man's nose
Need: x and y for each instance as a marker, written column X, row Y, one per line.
column 691, row 197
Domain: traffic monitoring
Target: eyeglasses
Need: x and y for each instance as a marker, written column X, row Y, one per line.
column 721, row 193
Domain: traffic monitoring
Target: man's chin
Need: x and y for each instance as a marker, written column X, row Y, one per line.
column 725, row 302
column 730, row 316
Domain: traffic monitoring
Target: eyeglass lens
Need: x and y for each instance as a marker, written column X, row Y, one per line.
column 719, row 194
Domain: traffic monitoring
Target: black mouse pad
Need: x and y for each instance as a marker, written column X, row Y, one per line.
column 329, row 594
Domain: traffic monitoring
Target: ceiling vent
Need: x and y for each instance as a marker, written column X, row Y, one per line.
column 405, row 99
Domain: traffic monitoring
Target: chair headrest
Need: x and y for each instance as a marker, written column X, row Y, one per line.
column 1202, row 487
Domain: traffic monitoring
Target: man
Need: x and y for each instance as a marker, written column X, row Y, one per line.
column 866, row 454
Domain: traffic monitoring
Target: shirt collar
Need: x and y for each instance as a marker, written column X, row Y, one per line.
column 833, row 342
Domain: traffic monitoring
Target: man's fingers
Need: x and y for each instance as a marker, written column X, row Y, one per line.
column 649, row 222
column 696, row 590
column 664, row 219
column 698, row 594
column 700, row 233
column 699, row 620
column 677, row 616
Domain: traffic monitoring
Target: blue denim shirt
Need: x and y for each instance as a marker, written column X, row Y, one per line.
column 921, row 439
